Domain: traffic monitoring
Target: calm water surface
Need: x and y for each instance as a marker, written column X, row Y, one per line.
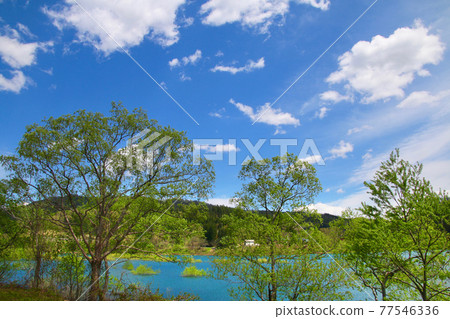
column 170, row 282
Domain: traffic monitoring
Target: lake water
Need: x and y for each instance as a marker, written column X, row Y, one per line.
column 170, row 282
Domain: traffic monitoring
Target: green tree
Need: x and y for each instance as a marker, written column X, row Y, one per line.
column 365, row 251
column 415, row 216
column 281, row 263
column 100, row 189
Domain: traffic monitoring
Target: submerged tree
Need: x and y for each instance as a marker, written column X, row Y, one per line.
column 281, row 263
column 98, row 188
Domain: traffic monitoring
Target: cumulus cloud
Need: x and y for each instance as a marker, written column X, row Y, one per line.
column 322, row 112
column 382, row 68
column 127, row 23
column 191, row 59
column 174, row 63
column 250, row 66
column 421, row 98
column 14, row 84
column 17, row 54
column 334, row 97
column 259, row 14
column 341, row 150
column 266, row 114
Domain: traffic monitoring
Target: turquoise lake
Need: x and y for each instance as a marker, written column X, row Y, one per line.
column 170, row 282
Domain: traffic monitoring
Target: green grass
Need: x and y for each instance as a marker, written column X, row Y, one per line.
column 193, row 271
column 143, row 270
column 14, row 292
column 128, row 265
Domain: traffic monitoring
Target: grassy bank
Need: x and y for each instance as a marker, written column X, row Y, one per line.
column 12, row 292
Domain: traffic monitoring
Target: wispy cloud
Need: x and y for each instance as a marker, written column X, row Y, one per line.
column 334, row 97
column 218, row 148
column 321, row 113
column 421, row 98
column 358, row 129
column 250, row 66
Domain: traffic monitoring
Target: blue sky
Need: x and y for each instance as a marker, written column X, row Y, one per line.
column 383, row 84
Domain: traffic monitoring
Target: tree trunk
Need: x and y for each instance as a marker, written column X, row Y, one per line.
column 94, row 292
column 37, row 268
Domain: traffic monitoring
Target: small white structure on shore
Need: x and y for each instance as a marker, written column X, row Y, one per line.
column 250, row 242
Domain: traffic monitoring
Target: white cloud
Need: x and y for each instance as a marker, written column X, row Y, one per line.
column 127, row 23
column 267, row 114
column 14, row 84
column 340, row 191
column 259, row 14
column 17, row 54
column 250, row 66
column 382, row 68
column 327, row 209
column 218, row 148
column 218, row 114
column 322, row 112
column 174, row 63
column 313, row 159
column 420, row 98
column 191, row 59
column 358, row 129
column 219, row 53
column 279, row 131
column 334, row 97
column 184, row 77
column 352, row 201
column 221, row 202
column 368, row 155
column 341, row 150
column 215, row 114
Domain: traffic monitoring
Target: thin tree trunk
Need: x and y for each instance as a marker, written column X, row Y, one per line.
column 94, row 292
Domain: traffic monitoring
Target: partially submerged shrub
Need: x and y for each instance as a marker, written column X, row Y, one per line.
column 143, row 270
column 193, row 271
column 128, row 265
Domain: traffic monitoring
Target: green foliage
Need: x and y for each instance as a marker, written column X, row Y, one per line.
column 143, row 270
column 189, row 260
column 136, row 292
column 70, row 274
column 128, row 265
column 13, row 292
column 401, row 238
column 282, row 265
column 192, row 271
column 79, row 156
